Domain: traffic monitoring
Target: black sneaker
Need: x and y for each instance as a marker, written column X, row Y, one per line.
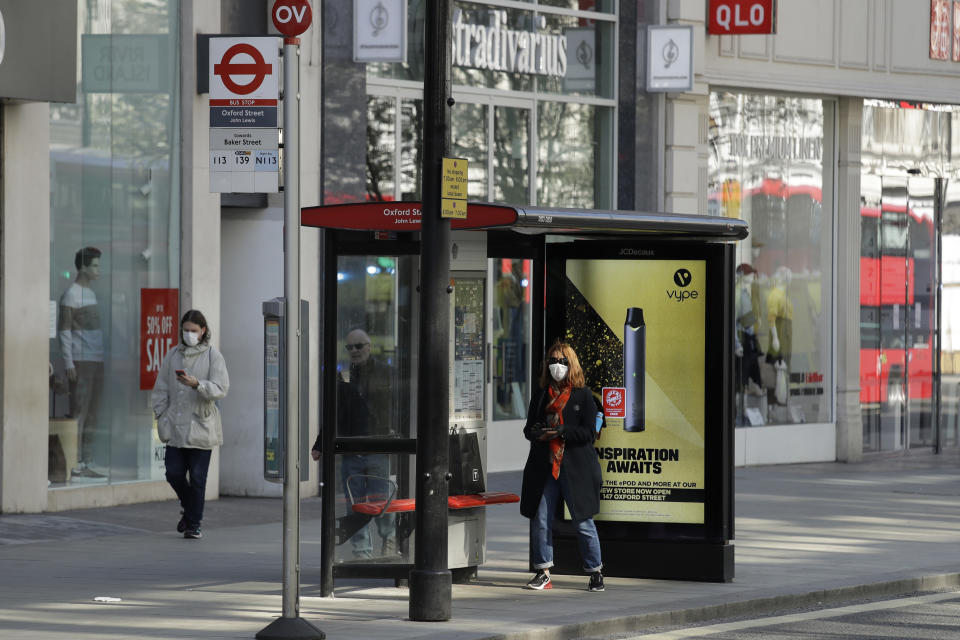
column 596, row 582
column 192, row 533
column 540, row 581
column 182, row 525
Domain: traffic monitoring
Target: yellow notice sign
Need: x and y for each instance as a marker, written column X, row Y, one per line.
column 450, row 208
column 453, row 184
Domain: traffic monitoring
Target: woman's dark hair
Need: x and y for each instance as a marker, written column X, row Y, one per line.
column 196, row 318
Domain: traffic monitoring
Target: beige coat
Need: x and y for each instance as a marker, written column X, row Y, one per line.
column 188, row 417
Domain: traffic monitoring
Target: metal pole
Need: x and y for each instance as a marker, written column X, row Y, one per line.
column 291, row 291
column 430, row 579
column 289, row 625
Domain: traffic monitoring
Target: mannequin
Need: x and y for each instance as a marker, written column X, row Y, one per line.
column 81, row 347
column 747, row 348
column 780, row 316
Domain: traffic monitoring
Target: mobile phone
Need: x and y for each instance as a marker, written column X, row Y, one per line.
column 181, row 373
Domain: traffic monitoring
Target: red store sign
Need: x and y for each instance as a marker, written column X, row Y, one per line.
column 159, row 330
column 738, row 17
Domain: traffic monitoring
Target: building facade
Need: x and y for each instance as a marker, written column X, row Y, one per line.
column 833, row 138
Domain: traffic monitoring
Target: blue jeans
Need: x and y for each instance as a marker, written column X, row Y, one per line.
column 361, row 486
column 541, row 530
column 179, row 463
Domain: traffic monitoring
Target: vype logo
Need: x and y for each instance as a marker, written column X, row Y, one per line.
column 682, row 278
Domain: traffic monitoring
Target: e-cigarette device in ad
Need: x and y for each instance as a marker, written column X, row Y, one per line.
column 634, row 368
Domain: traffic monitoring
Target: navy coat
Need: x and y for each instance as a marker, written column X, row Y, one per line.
column 580, row 465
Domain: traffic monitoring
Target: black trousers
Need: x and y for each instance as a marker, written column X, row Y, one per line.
column 187, row 474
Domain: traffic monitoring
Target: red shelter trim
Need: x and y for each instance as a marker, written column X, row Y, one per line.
column 400, row 216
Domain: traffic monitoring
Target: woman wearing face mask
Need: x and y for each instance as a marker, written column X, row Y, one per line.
column 562, row 463
column 192, row 377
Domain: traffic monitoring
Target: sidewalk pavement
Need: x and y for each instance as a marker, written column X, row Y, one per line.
column 805, row 534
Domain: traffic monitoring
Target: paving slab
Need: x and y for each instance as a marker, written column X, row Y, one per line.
column 804, row 534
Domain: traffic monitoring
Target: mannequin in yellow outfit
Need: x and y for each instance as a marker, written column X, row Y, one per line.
column 780, row 316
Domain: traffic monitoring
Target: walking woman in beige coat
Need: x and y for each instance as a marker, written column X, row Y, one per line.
column 192, row 377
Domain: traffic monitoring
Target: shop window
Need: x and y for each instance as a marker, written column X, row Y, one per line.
column 909, row 395
column 381, row 141
column 567, row 154
column 411, row 149
column 114, row 242
column 513, row 49
column 950, row 314
column 511, row 155
column 767, row 166
column 469, row 131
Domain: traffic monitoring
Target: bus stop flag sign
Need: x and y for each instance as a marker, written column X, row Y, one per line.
column 244, row 92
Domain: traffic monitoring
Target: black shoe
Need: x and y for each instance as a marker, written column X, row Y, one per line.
column 540, row 581
column 192, row 533
column 596, row 582
column 182, row 525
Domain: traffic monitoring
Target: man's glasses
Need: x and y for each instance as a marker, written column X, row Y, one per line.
column 357, row 347
column 562, row 361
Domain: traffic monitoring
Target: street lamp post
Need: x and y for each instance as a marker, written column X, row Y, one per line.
column 430, row 579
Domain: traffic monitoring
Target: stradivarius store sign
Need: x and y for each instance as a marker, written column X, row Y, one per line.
column 498, row 48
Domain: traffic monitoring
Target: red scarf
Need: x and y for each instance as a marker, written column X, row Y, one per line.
column 554, row 409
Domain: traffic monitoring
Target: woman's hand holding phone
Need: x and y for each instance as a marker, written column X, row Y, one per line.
column 184, row 378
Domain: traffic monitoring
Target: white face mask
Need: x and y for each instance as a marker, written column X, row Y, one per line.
column 558, row 371
column 191, row 338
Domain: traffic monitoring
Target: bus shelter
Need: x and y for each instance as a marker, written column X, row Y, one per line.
column 646, row 300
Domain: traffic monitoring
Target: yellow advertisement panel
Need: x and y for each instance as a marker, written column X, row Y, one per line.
column 638, row 327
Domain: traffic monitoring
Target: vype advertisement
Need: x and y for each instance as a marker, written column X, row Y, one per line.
column 638, row 327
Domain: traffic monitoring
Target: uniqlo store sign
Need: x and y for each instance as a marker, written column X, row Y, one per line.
column 738, row 17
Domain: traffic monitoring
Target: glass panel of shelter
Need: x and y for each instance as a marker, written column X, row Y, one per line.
column 510, row 337
column 374, row 364
column 375, row 336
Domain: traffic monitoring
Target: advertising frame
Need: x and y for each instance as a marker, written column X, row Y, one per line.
column 665, row 547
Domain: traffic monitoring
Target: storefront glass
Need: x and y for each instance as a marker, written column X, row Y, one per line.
column 769, row 165
column 536, row 129
column 114, row 243
column 950, row 314
column 499, row 46
column 569, row 136
column 908, row 192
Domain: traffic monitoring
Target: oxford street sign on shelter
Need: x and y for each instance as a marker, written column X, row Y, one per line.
column 244, row 92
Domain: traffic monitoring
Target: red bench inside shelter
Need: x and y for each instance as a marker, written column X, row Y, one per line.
column 377, row 507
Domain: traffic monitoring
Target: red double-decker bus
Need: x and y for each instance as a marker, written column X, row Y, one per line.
column 897, row 296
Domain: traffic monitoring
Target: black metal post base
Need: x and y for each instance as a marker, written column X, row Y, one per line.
column 290, row 629
column 430, row 595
